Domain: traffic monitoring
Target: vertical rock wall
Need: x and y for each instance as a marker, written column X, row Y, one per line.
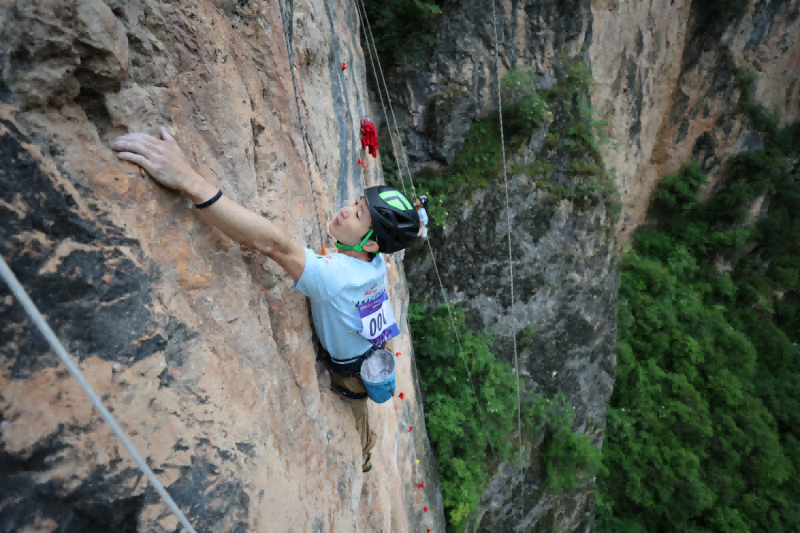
column 199, row 347
column 565, row 289
column 708, row 121
column 667, row 87
column 659, row 81
column 636, row 60
column 563, row 252
column 457, row 83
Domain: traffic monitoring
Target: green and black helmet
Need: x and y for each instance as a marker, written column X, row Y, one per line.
column 394, row 219
column 395, row 222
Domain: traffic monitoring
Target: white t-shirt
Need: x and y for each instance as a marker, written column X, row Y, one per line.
column 336, row 284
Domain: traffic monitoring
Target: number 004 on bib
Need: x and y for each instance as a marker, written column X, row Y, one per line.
column 377, row 319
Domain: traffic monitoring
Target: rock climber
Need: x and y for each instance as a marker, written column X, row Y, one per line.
column 381, row 221
column 421, row 203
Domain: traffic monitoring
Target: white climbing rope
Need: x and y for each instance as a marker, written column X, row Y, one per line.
column 371, row 42
column 388, row 98
column 455, row 332
column 508, row 219
column 380, row 94
column 19, row 291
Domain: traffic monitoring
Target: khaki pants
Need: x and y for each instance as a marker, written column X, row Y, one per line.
column 359, row 407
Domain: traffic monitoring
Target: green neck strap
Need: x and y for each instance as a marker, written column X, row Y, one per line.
column 358, row 248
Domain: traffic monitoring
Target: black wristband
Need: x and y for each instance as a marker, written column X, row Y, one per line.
column 210, row 201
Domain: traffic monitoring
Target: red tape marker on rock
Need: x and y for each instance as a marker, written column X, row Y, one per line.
column 421, row 486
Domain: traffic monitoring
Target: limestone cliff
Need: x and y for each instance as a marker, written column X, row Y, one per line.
column 659, row 79
column 671, row 85
column 199, row 347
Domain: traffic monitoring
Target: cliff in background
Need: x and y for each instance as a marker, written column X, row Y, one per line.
column 660, row 80
column 678, row 95
column 565, row 267
column 673, row 88
column 200, row 348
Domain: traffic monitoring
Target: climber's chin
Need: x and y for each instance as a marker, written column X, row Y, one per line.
column 332, row 230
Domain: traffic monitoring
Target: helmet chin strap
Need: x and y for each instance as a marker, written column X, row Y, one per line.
column 357, row 248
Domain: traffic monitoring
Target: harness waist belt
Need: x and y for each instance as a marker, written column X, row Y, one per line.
column 350, row 367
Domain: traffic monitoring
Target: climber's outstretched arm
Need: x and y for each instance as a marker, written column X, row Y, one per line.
column 165, row 162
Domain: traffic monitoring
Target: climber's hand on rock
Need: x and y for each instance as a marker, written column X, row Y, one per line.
column 162, row 159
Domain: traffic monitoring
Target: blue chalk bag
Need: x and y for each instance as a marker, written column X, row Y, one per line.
column 377, row 373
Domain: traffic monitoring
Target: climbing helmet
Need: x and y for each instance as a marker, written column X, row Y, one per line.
column 395, row 222
column 423, row 200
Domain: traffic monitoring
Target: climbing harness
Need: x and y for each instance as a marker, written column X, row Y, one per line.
column 371, row 41
column 19, row 292
column 508, row 219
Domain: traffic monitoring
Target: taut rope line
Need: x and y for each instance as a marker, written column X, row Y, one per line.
column 383, row 106
column 388, row 98
column 430, row 249
column 508, row 218
column 58, row 348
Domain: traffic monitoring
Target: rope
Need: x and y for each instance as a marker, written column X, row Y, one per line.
column 508, row 218
column 380, row 94
column 430, row 249
column 391, row 108
column 55, row 344
column 307, row 142
column 453, row 324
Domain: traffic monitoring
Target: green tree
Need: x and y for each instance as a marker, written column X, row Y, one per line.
column 470, row 444
column 703, row 423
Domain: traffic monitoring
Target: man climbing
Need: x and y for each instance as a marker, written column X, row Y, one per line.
column 421, row 203
column 382, row 220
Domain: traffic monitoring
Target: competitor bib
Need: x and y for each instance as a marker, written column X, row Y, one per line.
column 378, row 320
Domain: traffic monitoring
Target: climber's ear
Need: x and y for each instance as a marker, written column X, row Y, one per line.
column 371, row 246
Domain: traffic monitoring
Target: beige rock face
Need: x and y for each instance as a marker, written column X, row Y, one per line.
column 764, row 42
column 670, row 93
column 767, row 42
column 199, row 347
column 636, row 60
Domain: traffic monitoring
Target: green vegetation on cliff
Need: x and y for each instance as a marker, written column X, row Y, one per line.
column 569, row 166
column 468, row 446
column 480, row 158
column 704, row 423
column 400, row 26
